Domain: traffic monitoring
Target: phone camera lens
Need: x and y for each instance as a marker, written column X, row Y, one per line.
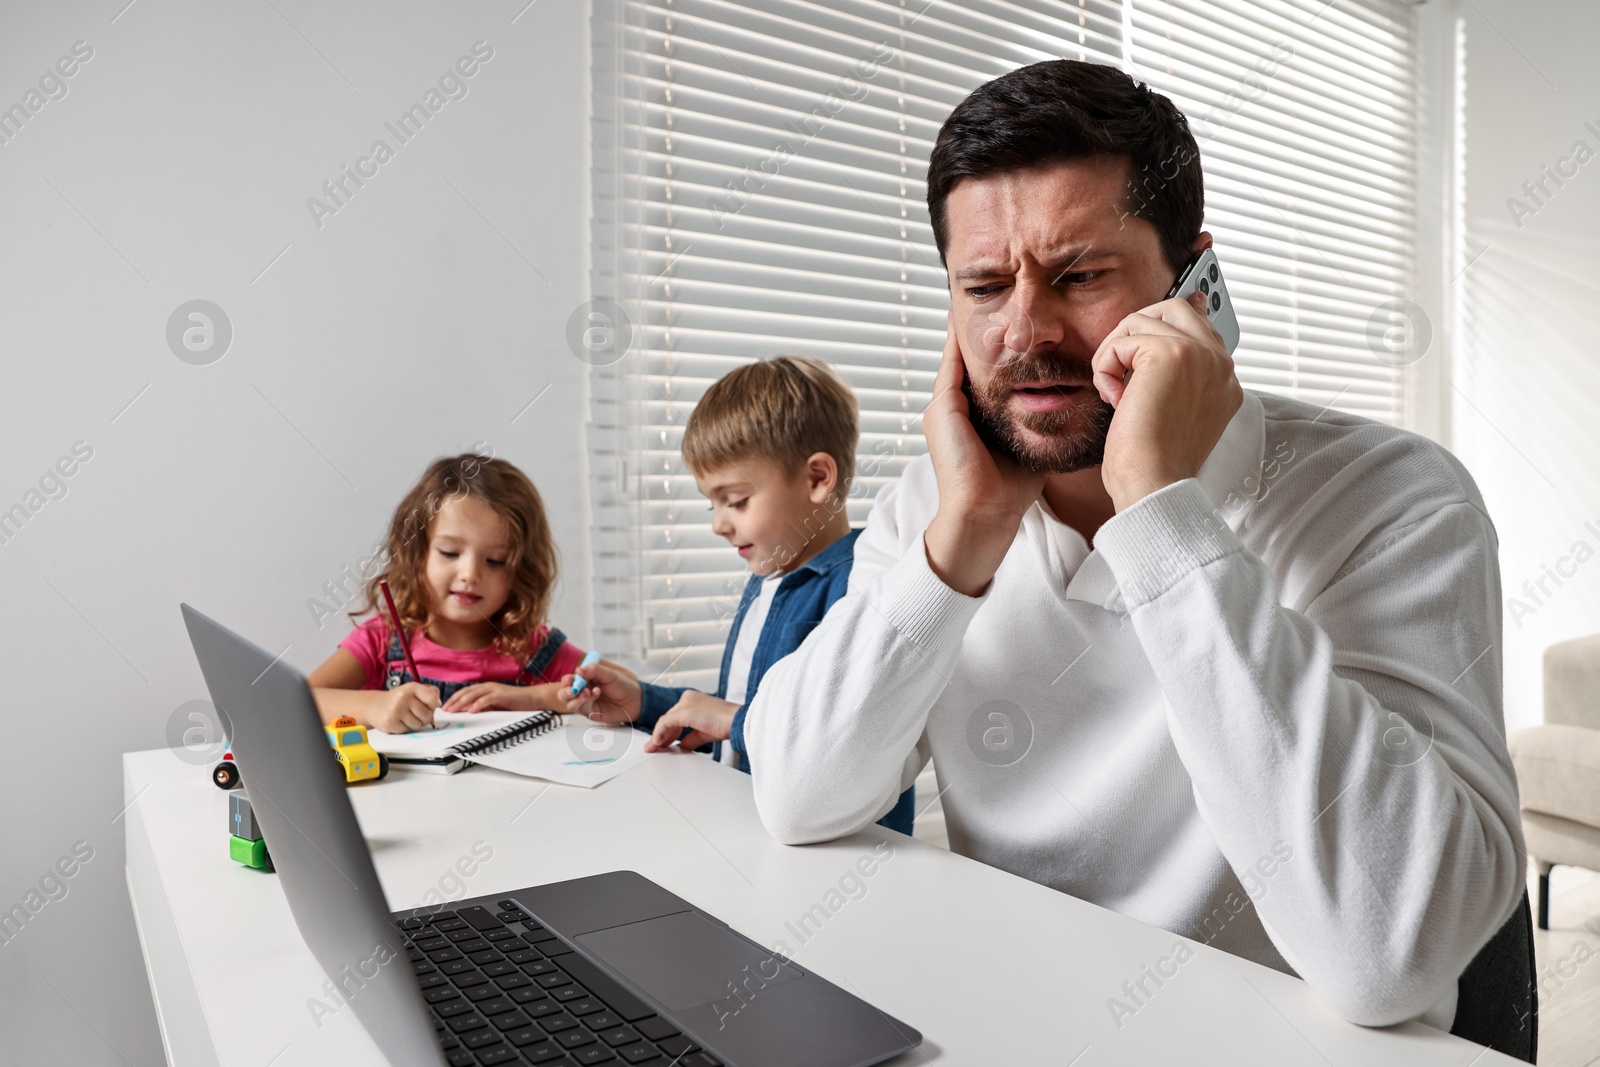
column 1213, row 272
column 1216, row 302
column 1205, row 286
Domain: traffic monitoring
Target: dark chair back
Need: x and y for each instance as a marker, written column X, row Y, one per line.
column 1497, row 995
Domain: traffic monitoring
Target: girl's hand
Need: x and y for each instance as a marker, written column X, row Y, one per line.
column 488, row 696
column 405, row 708
column 707, row 718
column 611, row 696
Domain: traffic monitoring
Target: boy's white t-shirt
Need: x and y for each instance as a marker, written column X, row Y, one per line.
column 744, row 652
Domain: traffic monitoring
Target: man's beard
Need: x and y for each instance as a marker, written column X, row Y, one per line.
column 1066, row 447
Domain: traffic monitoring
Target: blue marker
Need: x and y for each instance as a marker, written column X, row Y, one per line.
column 580, row 681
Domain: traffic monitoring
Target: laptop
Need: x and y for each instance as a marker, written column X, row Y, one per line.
column 607, row 969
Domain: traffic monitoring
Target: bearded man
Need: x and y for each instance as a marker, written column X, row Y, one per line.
column 1222, row 661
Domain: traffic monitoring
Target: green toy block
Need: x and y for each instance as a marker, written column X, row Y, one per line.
column 249, row 853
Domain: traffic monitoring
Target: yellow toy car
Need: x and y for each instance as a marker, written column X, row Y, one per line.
column 356, row 754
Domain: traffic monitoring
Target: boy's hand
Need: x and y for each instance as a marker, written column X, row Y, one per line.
column 488, row 696
column 707, row 719
column 611, row 695
column 405, row 708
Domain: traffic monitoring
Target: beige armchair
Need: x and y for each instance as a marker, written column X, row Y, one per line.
column 1558, row 766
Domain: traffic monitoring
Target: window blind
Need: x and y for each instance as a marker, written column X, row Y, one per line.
column 764, row 193
column 1304, row 115
column 759, row 188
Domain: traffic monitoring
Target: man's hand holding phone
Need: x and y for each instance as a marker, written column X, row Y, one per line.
column 1168, row 373
column 982, row 497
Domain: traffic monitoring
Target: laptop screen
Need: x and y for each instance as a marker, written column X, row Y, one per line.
column 297, row 788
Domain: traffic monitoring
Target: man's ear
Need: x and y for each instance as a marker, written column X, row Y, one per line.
column 822, row 476
column 1201, row 242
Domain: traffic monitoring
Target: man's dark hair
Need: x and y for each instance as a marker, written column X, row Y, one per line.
column 1066, row 109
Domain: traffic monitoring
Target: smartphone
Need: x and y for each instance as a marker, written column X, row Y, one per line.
column 1203, row 275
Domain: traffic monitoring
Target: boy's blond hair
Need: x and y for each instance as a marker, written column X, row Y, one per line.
column 782, row 409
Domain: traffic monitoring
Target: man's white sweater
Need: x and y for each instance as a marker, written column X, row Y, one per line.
column 1263, row 712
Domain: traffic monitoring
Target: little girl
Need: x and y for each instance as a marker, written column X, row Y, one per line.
column 471, row 565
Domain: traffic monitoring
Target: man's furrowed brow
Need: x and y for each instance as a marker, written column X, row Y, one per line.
column 1058, row 262
column 1072, row 255
column 979, row 271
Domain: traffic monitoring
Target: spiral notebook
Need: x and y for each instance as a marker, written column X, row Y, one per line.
column 537, row 744
column 459, row 736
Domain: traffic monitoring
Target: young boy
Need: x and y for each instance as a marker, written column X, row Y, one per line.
column 772, row 445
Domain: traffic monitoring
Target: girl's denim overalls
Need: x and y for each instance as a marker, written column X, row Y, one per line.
column 535, row 667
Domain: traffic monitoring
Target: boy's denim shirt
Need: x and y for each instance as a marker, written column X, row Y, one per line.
column 803, row 597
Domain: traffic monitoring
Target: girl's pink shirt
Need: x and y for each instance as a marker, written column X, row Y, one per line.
column 369, row 644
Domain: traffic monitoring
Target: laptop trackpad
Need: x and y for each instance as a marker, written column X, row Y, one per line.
column 684, row 960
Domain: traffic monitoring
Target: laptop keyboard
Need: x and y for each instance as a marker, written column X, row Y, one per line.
column 505, row 990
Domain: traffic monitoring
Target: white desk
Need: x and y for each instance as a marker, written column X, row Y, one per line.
column 991, row 968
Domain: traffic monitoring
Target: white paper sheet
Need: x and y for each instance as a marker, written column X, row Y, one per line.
column 580, row 752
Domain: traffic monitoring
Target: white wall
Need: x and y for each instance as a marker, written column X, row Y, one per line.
column 408, row 326
column 1526, row 414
